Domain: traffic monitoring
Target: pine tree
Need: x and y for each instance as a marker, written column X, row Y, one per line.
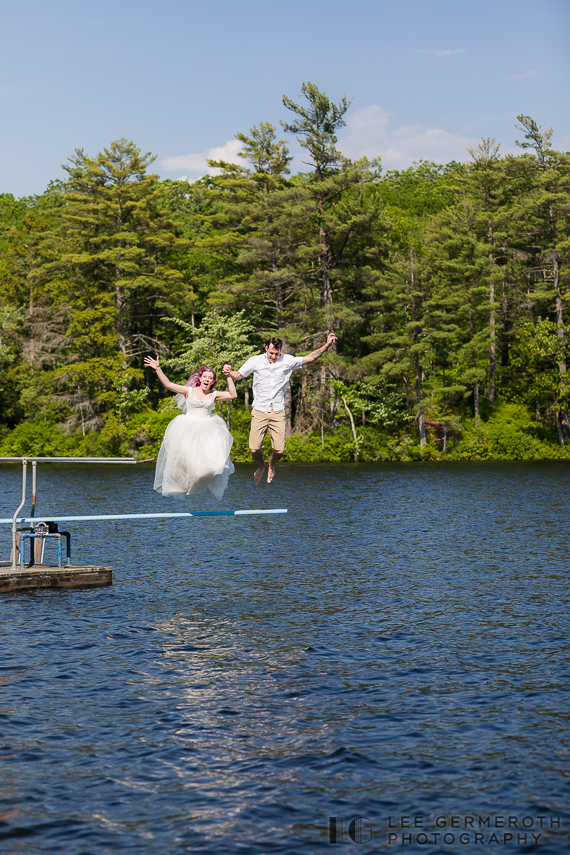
column 117, row 243
column 397, row 341
column 543, row 218
column 401, row 341
column 485, row 182
column 254, row 219
column 42, row 332
column 334, row 230
column 261, row 218
column 458, row 308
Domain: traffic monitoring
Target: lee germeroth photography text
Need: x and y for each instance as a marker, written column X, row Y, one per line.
column 447, row 831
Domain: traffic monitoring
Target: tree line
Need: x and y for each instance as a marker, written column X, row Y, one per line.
column 446, row 284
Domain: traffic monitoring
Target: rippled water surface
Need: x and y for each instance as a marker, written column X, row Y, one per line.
column 394, row 648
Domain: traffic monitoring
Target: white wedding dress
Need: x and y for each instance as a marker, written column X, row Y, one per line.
column 195, row 451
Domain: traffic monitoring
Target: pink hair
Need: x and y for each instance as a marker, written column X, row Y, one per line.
column 196, row 377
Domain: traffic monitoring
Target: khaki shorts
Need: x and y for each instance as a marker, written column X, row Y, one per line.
column 261, row 423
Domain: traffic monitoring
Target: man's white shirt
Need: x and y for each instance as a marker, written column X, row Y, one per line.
column 270, row 379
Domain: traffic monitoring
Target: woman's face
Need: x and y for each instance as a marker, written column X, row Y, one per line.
column 207, row 381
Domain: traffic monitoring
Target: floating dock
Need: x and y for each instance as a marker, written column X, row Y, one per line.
column 51, row 576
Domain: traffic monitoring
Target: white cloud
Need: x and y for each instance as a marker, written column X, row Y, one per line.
column 445, row 52
column 196, row 164
column 369, row 135
column 523, row 76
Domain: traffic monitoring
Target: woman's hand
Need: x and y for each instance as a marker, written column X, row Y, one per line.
column 174, row 387
column 231, row 393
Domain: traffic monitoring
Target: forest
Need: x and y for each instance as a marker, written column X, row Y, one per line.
column 447, row 286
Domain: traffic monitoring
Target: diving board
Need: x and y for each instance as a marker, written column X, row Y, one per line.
column 93, row 517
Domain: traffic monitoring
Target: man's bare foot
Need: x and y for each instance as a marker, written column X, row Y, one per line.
column 258, row 474
column 270, row 473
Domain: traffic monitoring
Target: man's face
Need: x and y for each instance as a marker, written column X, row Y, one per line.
column 272, row 353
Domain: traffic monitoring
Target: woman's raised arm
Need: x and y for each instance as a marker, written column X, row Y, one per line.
column 231, row 393
column 174, row 387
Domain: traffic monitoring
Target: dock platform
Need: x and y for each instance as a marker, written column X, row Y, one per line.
column 52, row 576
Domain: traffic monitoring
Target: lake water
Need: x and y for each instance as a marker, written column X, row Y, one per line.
column 395, row 648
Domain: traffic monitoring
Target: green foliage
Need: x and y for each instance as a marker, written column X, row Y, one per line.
column 11, row 319
column 40, row 438
column 219, row 339
column 448, row 286
column 420, row 190
column 382, row 407
column 510, row 434
column 12, row 212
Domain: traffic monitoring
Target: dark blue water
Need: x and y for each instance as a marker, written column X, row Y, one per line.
column 395, row 648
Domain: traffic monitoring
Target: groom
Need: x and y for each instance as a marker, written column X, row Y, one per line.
column 271, row 371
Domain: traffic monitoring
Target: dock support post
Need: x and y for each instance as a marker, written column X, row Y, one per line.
column 18, row 509
column 34, row 466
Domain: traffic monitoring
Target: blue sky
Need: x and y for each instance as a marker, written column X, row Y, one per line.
column 181, row 78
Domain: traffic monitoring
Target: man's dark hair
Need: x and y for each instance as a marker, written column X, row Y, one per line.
column 276, row 342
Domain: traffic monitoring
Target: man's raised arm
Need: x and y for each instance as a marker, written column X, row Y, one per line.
column 310, row 357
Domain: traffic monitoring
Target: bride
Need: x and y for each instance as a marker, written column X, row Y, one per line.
column 195, row 451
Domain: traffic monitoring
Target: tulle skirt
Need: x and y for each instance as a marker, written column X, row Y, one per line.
column 194, row 456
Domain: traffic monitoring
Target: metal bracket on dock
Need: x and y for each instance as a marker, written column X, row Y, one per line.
column 42, row 532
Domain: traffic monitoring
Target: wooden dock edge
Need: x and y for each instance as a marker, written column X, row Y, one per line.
column 43, row 576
